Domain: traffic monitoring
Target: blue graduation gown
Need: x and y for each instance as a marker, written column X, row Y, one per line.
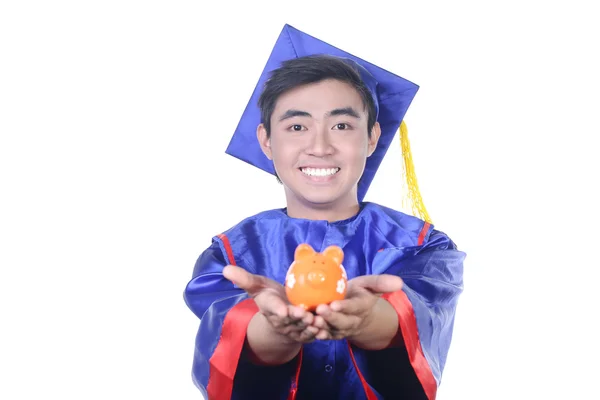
column 377, row 240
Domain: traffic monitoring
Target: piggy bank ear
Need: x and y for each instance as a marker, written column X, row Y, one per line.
column 335, row 253
column 303, row 251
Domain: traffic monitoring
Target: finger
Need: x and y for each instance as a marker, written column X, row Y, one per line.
column 298, row 326
column 277, row 322
column 377, row 284
column 297, row 313
column 337, row 321
column 354, row 305
column 242, row 278
column 308, row 318
column 296, row 318
column 323, row 309
column 271, row 304
column 319, row 322
column 300, row 317
column 340, row 322
column 245, row 280
column 309, row 334
column 323, row 335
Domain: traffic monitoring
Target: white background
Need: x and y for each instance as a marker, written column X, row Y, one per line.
column 114, row 118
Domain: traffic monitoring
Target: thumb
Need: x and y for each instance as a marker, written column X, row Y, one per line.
column 378, row 284
column 251, row 283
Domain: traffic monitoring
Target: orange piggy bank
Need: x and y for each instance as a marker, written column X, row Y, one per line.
column 316, row 278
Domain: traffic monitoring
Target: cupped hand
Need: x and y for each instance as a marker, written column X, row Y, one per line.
column 293, row 323
column 347, row 318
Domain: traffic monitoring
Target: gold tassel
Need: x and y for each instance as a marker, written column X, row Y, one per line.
column 412, row 193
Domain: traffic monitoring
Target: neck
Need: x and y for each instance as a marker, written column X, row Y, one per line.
column 330, row 212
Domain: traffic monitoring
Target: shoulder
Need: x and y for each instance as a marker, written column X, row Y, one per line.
column 252, row 223
column 397, row 225
column 234, row 241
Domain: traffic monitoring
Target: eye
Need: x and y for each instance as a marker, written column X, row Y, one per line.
column 296, row 128
column 341, row 126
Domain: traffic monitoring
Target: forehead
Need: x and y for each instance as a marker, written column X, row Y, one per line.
column 320, row 96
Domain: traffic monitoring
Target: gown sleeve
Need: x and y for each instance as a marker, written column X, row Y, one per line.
column 433, row 280
column 220, row 369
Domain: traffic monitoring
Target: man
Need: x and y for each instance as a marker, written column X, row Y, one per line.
column 321, row 121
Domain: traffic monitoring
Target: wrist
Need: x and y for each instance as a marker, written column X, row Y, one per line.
column 379, row 327
column 270, row 334
column 265, row 345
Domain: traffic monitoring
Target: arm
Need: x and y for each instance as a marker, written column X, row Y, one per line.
column 425, row 307
column 405, row 359
column 224, row 312
column 220, row 370
column 275, row 334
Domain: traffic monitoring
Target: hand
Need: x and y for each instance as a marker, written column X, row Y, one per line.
column 293, row 324
column 350, row 317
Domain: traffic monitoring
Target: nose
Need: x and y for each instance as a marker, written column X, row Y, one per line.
column 316, row 277
column 320, row 144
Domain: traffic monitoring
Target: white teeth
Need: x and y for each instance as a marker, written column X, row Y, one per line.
column 320, row 171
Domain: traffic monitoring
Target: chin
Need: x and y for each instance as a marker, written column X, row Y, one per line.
column 321, row 201
column 318, row 197
column 324, row 199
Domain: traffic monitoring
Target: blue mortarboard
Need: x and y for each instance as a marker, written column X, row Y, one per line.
column 391, row 93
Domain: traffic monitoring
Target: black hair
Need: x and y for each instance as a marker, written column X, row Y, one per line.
column 312, row 69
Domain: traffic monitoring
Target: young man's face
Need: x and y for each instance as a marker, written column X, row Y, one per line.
column 319, row 143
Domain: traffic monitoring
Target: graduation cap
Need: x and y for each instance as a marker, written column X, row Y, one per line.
column 392, row 96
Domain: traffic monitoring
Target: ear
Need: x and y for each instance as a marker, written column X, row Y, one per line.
column 303, row 251
column 374, row 139
column 264, row 141
column 335, row 253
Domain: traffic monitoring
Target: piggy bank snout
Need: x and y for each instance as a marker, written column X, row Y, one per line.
column 316, row 277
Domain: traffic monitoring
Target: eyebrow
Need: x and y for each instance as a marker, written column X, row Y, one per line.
column 294, row 113
column 349, row 111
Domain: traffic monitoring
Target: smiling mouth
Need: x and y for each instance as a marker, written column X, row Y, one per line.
column 320, row 171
